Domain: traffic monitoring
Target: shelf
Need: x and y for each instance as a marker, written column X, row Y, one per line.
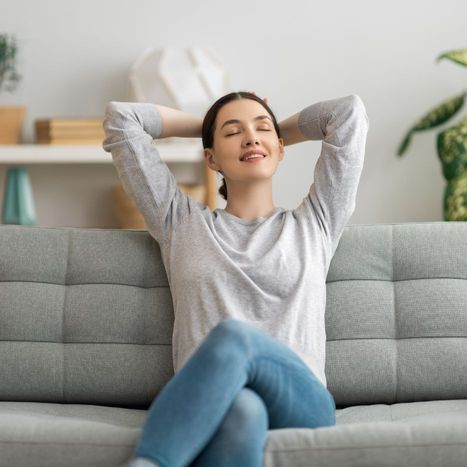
column 184, row 151
column 171, row 150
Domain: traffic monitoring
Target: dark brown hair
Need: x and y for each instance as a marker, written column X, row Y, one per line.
column 209, row 121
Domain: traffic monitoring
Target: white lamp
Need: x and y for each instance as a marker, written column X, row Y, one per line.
column 188, row 79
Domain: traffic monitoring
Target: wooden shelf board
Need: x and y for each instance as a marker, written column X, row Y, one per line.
column 91, row 154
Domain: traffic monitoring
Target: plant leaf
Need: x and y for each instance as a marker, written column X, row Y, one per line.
column 403, row 146
column 441, row 113
column 435, row 117
column 452, row 150
column 457, row 56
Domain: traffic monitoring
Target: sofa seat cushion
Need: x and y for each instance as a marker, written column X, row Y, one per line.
column 408, row 412
column 431, row 433
column 46, row 434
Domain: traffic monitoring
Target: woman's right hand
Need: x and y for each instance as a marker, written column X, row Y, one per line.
column 265, row 99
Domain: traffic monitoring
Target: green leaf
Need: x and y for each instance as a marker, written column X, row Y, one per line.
column 457, row 56
column 9, row 77
column 404, row 144
column 435, row 117
column 452, row 150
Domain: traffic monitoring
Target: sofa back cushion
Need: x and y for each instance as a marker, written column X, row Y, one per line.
column 396, row 313
column 86, row 315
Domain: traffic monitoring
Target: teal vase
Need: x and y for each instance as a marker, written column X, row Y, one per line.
column 18, row 200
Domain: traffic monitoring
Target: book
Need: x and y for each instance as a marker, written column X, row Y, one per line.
column 69, row 131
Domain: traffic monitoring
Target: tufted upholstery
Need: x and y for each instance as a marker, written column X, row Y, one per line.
column 85, row 343
column 396, row 314
column 86, row 316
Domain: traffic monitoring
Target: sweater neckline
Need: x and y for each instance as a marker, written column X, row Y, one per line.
column 247, row 221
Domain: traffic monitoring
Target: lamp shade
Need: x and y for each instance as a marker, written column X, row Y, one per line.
column 188, row 79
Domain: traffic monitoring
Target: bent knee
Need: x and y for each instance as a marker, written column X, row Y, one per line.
column 234, row 327
column 233, row 331
column 248, row 412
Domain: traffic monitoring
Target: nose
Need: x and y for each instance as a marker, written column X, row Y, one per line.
column 251, row 137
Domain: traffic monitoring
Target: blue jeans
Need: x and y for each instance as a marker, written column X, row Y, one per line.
column 216, row 410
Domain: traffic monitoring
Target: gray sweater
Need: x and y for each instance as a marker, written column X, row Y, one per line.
column 270, row 271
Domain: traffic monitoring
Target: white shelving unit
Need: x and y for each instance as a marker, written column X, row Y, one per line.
column 90, row 154
column 171, row 150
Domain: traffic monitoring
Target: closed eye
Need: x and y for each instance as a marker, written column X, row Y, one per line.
column 231, row 134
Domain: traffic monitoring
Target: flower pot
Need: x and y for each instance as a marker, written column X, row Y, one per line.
column 11, row 124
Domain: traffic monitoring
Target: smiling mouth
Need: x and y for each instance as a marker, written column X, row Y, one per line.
column 254, row 160
column 256, row 157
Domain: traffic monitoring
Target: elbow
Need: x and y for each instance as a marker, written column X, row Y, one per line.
column 358, row 107
column 113, row 107
column 112, row 125
column 113, row 113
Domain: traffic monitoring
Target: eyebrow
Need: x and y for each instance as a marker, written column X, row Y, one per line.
column 259, row 117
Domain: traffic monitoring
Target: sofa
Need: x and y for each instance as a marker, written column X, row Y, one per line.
column 86, row 318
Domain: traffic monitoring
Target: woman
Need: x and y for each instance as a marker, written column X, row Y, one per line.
column 248, row 282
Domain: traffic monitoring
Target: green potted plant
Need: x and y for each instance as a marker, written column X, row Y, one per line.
column 11, row 117
column 451, row 145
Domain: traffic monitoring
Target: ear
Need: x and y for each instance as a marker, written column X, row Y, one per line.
column 210, row 161
column 281, row 149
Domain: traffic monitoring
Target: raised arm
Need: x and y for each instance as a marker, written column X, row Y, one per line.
column 290, row 131
column 178, row 123
column 130, row 129
column 342, row 124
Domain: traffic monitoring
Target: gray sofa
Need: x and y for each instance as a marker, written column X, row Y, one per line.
column 85, row 337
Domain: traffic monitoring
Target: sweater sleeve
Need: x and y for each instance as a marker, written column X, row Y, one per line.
column 130, row 129
column 342, row 124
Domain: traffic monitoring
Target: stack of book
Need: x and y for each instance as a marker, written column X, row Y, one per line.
column 69, row 131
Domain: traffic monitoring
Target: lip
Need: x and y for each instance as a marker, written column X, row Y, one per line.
column 256, row 151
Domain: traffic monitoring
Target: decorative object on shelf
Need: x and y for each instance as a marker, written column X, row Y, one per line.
column 188, row 79
column 451, row 146
column 69, row 131
column 18, row 201
column 184, row 78
column 126, row 212
column 11, row 117
column 48, row 155
column 129, row 217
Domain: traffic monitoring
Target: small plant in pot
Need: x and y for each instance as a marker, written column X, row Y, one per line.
column 11, row 117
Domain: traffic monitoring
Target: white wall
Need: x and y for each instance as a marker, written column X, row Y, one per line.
column 76, row 57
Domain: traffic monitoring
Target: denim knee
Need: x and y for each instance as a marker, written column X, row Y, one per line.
column 246, row 407
column 232, row 332
column 246, row 420
column 233, row 326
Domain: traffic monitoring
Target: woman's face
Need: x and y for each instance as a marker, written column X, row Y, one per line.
column 243, row 125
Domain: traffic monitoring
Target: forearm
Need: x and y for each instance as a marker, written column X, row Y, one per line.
column 178, row 123
column 290, row 130
column 324, row 120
